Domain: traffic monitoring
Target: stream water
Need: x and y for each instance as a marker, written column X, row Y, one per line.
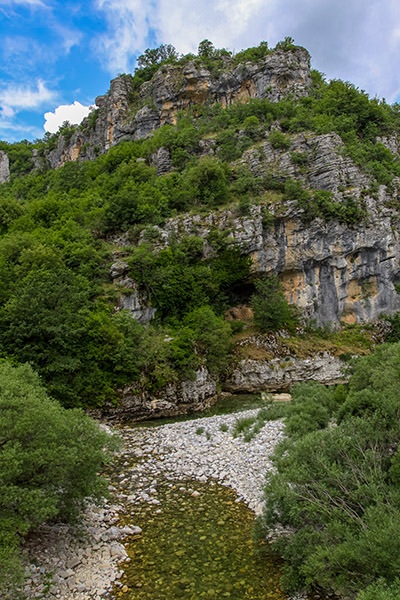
column 198, row 547
column 197, row 540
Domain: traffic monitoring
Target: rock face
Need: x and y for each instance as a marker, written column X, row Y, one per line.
column 332, row 271
column 4, row 167
column 176, row 399
column 131, row 298
column 173, row 88
column 280, row 374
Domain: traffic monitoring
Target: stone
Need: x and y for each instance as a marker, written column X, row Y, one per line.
column 162, row 160
column 4, row 167
column 113, row 533
column 177, row 398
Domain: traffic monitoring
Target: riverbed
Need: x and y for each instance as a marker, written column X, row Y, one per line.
column 179, row 524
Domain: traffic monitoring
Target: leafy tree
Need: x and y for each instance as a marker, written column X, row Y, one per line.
column 49, row 461
column 208, row 179
column 212, row 337
column 336, row 489
column 155, row 56
column 271, row 309
column 206, row 49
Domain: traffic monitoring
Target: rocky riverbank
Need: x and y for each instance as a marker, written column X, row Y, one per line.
column 84, row 563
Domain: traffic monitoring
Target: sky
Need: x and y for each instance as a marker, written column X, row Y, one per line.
column 57, row 56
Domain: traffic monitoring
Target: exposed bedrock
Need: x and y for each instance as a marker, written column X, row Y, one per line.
column 174, row 88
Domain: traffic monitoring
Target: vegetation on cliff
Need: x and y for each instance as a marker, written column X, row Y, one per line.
column 57, row 303
column 60, row 231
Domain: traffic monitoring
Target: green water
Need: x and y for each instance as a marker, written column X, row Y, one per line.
column 197, row 547
column 224, row 406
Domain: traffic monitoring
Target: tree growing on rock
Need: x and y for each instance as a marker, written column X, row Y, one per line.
column 271, row 309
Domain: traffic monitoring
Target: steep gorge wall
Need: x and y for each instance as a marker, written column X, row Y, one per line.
column 332, row 271
column 175, row 88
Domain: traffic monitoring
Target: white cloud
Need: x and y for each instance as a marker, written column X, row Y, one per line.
column 74, row 113
column 355, row 40
column 15, row 132
column 23, row 2
column 16, row 98
column 129, row 24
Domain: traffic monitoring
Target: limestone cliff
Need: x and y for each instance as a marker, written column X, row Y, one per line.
column 4, row 167
column 332, row 271
column 175, row 88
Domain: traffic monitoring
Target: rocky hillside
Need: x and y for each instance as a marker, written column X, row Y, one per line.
column 124, row 115
column 195, row 180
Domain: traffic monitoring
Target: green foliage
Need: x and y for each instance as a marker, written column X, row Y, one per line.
column 337, row 483
column 279, row 140
column 381, row 591
column 394, row 333
column 178, row 279
column 55, row 264
column 251, row 126
column 271, row 309
column 252, row 54
column 92, row 119
column 156, row 56
column 67, row 131
column 208, row 180
column 206, row 49
column 251, row 426
column 48, row 464
column 20, row 157
column 212, row 337
column 286, row 44
column 299, row 158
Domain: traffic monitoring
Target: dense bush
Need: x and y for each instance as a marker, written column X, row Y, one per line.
column 337, row 484
column 271, row 309
column 49, row 462
column 178, row 279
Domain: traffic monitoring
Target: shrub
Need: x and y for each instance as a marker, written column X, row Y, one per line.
column 208, row 181
column 48, row 462
column 279, row 140
column 336, row 488
column 271, row 309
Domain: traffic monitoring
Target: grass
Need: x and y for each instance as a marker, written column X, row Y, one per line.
column 349, row 340
column 249, row 427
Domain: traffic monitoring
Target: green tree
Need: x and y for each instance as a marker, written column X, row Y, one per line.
column 49, row 460
column 336, row 489
column 271, row 309
column 155, row 56
column 212, row 337
column 208, row 180
column 206, row 49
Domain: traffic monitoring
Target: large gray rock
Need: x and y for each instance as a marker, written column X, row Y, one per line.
column 332, row 271
column 175, row 399
column 4, row 167
column 280, row 374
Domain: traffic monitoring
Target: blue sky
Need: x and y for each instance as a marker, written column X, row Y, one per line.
column 55, row 55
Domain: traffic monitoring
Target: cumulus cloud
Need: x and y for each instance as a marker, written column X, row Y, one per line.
column 74, row 113
column 355, row 40
column 16, row 98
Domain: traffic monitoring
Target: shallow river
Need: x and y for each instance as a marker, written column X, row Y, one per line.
column 198, row 547
column 197, row 536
